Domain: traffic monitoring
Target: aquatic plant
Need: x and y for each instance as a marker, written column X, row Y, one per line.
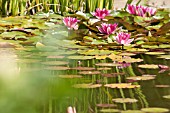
column 123, row 38
column 107, row 28
column 101, row 13
column 142, row 11
column 71, row 22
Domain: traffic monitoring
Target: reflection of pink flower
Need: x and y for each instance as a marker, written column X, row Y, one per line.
column 101, row 13
column 71, row 109
column 107, row 28
column 71, row 22
column 142, row 11
column 123, row 38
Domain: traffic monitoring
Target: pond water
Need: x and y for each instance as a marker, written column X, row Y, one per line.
column 44, row 81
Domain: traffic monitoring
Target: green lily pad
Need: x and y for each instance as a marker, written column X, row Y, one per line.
column 55, row 57
column 80, row 57
column 86, row 86
column 155, row 53
column 132, row 111
column 110, row 110
column 106, row 105
column 126, row 54
column 70, row 76
column 155, row 110
column 164, row 57
column 124, row 100
column 83, row 68
column 108, row 64
column 95, row 52
column 57, row 68
column 156, row 46
column 55, row 63
column 89, row 72
column 141, row 78
column 148, row 66
column 122, row 85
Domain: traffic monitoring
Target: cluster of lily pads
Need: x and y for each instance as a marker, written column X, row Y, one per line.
column 137, row 24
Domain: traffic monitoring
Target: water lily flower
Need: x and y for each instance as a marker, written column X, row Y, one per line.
column 71, row 109
column 107, row 28
column 101, row 13
column 71, row 22
column 142, row 11
column 123, row 38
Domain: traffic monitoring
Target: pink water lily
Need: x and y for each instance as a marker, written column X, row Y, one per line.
column 107, row 28
column 142, row 11
column 101, row 13
column 123, row 38
column 71, row 22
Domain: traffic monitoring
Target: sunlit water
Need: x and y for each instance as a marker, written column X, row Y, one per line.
column 28, row 85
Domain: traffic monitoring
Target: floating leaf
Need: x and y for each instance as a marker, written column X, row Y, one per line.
column 103, row 68
column 57, row 68
column 106, row 105
column 108, row 64
column 112, row 74
column 89, row 72
column 130, row 60
column 124, row 100
column 136, row 78
column 87, row 85
column 126, row 54
column 80, row 57
column 110, row 110
column 164, row 56
column 83, row 68
column 55, row 57
column 55, row 63
column 155, row 110
column 162, row 86
column 70, row 76
column 95, row 52
column 166, row 96
column 155, row 53
column 122, row 85
column 132, row 111
column 148, row 66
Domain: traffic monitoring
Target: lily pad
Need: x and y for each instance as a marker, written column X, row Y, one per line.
column 155, row 53
column 132, row 111
column 155, row 110
column 138, row 78
column 122, row 85
column 83, row 68
column 103, row 68
column 80, row 57
column 55, row 57
column 89, row 72
column 86, row 86
column 108, row 64
column 166, row 96
column 110, row 110
column 57, row 68
column 55, row 63
column 126, row 54
column 106, row 105
column 124, row 100
column 148, row 66
column 164, row 57
column 95, row 52
column 70, row 76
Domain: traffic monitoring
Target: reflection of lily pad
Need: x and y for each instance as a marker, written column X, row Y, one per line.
column 155, row 110
column 124, row 100
column 108, row 64
column 132, row 111
column 141, row 78
column 87, row 85
column 148, row 66
column 89, row 72
column 70, row 76
column 83, row 68
column 80, row 57
column 55, row 63
column 155, row 53
column 106, row 105
column 164, row 56
column 122, row 85
column 110, row 110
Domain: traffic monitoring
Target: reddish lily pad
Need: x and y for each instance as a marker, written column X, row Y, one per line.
column 124, row 100
column 86, row 86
